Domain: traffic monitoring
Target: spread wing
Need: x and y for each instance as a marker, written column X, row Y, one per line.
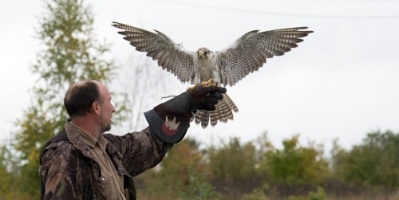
column 248, row 53
column 170, row 55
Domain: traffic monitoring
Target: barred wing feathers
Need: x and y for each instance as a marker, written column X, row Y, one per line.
column 248, row 53
column 170, row 55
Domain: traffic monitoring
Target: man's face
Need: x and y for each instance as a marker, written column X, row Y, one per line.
column 107, row 109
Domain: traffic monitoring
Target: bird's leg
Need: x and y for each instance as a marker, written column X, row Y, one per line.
column 192, row 87
column 208, row 83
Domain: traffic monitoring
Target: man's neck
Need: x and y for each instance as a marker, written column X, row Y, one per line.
column 88, row 125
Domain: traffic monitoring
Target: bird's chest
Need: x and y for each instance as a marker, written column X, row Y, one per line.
column 207, row 70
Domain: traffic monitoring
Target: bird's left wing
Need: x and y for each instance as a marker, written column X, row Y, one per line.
column 170, row 55
column 249, row 52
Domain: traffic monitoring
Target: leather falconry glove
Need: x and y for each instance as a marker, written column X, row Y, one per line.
column 170, row 120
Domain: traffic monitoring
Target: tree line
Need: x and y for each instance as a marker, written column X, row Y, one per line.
column 258, row 170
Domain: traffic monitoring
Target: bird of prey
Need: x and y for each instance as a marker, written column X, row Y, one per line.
column 225, row 67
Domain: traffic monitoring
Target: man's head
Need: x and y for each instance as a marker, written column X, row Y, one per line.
column 90, row 99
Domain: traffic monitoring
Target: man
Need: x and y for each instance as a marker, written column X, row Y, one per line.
column 81, row 162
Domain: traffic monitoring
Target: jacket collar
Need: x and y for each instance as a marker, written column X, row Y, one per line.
column 77, row 140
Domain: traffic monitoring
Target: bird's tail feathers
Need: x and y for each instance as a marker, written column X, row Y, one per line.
column 223, row 113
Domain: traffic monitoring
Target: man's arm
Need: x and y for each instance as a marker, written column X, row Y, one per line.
column 140, row 150
column 168, row 124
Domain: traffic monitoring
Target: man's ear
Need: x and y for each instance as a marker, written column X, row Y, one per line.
column 96, row 107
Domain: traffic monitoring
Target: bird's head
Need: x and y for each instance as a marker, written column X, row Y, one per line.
column 203, row 52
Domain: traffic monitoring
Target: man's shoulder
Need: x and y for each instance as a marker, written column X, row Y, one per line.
column 59, row 144
column 64, row 147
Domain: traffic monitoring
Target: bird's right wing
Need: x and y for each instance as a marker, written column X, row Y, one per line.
column 170, row 55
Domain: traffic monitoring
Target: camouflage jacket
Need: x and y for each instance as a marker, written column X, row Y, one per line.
column 68, row 171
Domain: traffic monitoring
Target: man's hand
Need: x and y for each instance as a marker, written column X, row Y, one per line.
column 197, row 98
column 205, row 97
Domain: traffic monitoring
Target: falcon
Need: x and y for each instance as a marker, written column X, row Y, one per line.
column 225, row 67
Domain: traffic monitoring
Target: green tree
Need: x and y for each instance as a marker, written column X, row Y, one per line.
column 7, row 162
column 295, row 164
column 183, row 174
column 69, row 52
column 375, row 162
column 233, row 161
column 199, row 187
column 257, row 193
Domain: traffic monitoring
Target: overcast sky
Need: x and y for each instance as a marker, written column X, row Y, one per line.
column 341, row 82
